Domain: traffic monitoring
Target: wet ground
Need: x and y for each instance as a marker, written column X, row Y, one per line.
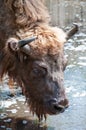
column 15, row 115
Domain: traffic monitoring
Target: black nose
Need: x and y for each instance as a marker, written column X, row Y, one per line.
column 58, row 106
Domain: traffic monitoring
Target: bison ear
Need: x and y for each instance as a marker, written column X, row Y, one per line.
column 16, row 45
column 72, row 31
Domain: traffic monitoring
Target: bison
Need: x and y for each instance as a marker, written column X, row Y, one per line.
column 32, row 54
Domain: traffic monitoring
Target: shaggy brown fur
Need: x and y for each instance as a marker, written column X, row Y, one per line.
column 21, row 19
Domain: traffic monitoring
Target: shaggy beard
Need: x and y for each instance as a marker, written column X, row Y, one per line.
column 37, row 108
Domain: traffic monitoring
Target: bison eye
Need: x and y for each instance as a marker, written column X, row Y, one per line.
column 39, row 72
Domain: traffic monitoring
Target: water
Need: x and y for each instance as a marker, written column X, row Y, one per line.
column 12, row 117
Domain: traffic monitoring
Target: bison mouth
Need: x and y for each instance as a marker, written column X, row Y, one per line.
column 42, row 109
column 55, row 109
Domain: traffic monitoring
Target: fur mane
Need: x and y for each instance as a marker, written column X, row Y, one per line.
column 32, row 18
column 28, row 11
column 50, row 41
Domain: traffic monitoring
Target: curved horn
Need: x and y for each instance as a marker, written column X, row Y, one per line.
column 23, row 42
column 15, row 45
column 72, row 31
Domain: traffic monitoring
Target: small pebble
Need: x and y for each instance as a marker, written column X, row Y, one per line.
column 24, row 122
column 8, row 128
column 3, row 126
column 3, row 115
column 8, row 120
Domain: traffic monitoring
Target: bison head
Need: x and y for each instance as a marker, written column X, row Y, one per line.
column 38, row 68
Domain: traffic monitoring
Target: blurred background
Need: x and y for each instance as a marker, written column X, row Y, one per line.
column 66, row 12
